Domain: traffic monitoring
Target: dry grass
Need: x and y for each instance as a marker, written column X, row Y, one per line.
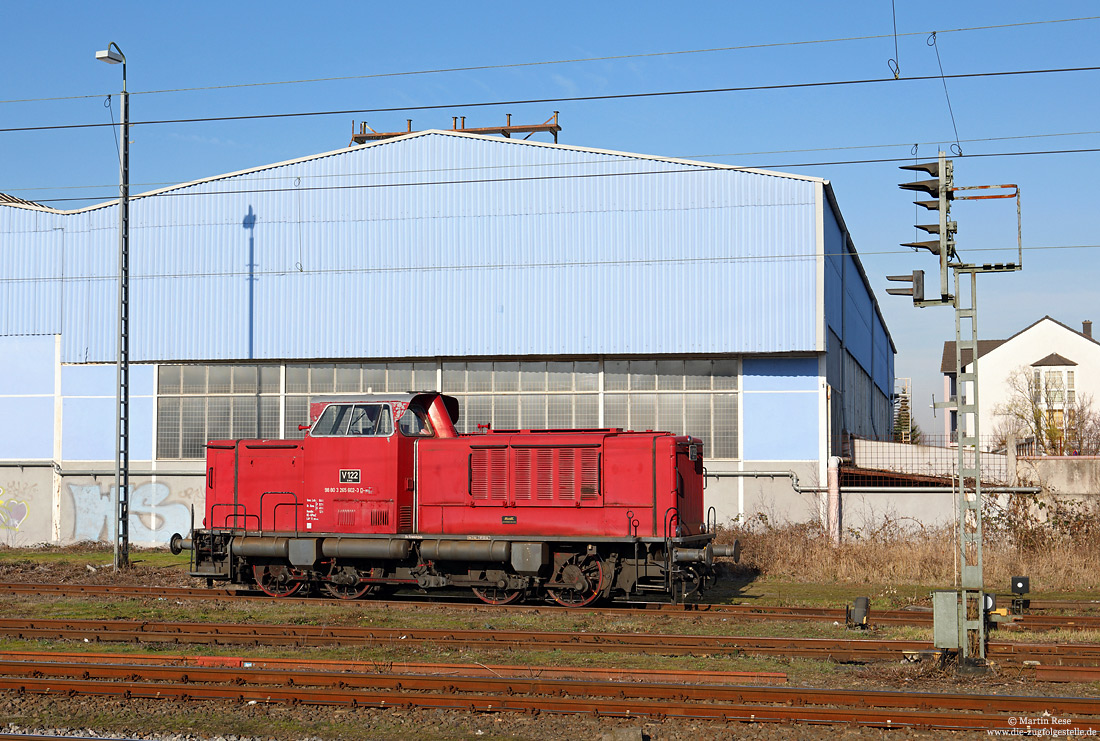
column 804, row 553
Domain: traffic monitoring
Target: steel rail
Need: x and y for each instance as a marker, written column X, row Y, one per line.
column 682, row 676
column 842, row 650
column 920, row 617
column 402, row 696
column 1063, row 673
column 740, row 694
column 53, row 737
column 1056, row 604
column 252, row 635
column 121, row 590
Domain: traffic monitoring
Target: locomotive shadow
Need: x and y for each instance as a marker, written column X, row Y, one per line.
column 732, row 584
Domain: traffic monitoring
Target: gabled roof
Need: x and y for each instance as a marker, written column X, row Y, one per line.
column 442, row 132
column 1052, row 359
column 16, row 201
column 1049, row 318
column 947, row 363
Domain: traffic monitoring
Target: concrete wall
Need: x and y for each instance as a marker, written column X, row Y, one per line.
column 865, row 512
column 926, row 460
column 783, row 491
column 41, row 505
column 1076, row 475
column 26, row 506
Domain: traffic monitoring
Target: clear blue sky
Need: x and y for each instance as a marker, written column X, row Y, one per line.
column 47, row 51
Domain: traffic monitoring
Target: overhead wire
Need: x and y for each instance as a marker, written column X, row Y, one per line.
column 889, row 146
column 616, row 57
column 295, row 270
column 107, row 105
column 895, row 63
column 257, row 177
column 179, row 190
column 562, row 99
column 956, row 148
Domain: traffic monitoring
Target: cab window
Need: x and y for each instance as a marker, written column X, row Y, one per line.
column 354, row 420
column 414, row 423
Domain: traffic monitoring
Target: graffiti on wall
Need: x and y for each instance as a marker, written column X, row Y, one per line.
column 153, row 519
column 14, row 509
column 12, row 513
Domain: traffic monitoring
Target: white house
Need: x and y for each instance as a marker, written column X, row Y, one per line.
column 1047, row 366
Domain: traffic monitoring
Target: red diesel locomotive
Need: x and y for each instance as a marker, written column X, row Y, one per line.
column 383, row 492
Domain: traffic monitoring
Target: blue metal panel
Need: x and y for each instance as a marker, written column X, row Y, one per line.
column 26, row 367
column 780, row 374
column 142, row 414
column 31, row 247
column 88, row 411
column 88, row 432
column 90, row 318
column 26, row 397
column 28, row 430
column 457, row 245
column 780, row 426
column 835, row 251
column 101, row 380
column 890, row 376
column 859, row 314
column 884, row 360
column 88, row 380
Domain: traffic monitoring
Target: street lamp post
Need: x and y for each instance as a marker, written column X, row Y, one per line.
column 113, row 55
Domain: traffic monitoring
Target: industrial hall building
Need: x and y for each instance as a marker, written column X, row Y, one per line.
column 543, row 285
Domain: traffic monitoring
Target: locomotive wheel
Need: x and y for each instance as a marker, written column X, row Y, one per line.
column 347, row 591
column 497, row 596
column 275, row 580
column 343, row 583
column 587, row 574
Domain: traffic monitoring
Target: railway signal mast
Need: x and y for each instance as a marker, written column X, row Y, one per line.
column 960, row 619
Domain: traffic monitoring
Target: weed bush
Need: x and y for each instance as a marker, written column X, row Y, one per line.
column 1055, row 542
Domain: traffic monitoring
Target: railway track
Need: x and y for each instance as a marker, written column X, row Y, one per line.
column 910, row 617
column 1020, row 656
column 682, row 676
column 532, row 695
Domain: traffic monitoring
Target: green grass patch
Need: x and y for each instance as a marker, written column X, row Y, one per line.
column 153, row 558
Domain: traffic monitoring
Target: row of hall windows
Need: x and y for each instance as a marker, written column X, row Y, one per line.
column 197, row 403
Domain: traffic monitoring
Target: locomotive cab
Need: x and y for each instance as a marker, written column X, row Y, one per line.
column 360, row 462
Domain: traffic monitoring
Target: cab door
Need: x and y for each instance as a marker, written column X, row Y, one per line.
column 413, row 425
column 351, row 470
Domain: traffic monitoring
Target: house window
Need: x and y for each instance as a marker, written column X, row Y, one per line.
column 1055, row 387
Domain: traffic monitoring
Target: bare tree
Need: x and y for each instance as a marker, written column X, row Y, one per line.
column 1086, row 432
column 1056, row 420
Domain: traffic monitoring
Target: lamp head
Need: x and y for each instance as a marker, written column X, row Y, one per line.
column 110, row 56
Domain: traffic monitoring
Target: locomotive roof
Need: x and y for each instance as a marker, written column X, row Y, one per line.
column 450, row 403
column 406, row 396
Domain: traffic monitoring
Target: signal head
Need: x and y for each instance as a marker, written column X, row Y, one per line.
column 932, row 168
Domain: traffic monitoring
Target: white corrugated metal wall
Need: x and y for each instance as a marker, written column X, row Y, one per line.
column 449, row 244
